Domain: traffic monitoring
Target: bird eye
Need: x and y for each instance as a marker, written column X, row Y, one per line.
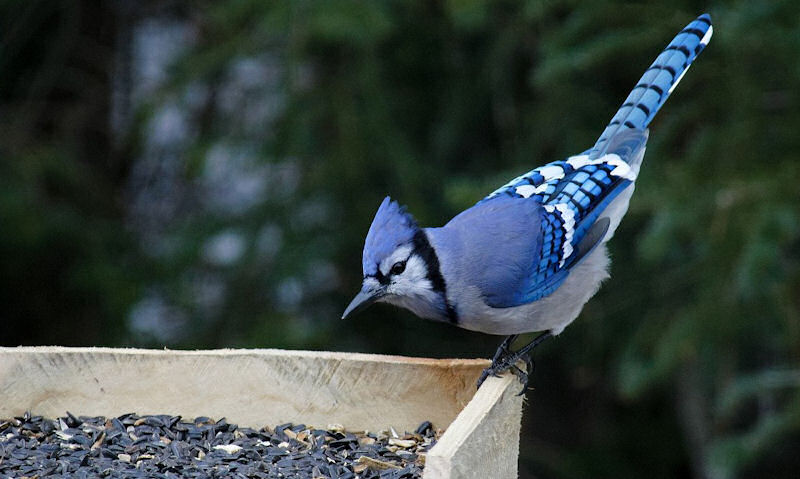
column 398, row 268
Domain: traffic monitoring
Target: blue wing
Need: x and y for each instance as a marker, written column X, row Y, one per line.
column 498, row 241
column 574, row 193
column 571, row 195
column 507, row 247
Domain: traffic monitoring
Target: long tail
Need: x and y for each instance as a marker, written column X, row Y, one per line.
column 575, row 192
column 658, row 81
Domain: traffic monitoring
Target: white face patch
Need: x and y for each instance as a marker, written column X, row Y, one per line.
column 400, row 254
column 410, row 289
column 413, row 280
column 372, row 283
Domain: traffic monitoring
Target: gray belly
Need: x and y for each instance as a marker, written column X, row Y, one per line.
column 552, row 313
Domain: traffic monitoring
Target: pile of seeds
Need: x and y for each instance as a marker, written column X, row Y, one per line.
column 160, row 446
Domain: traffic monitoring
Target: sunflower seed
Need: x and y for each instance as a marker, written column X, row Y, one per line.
column 163, row 446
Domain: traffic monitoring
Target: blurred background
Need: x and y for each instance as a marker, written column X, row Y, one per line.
column 203, row 176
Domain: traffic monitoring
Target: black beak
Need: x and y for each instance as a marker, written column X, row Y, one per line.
column 362, row 301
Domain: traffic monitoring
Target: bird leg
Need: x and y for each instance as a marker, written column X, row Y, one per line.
column 502, row 351
column 506, row 360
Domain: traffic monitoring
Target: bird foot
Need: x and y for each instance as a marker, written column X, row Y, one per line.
column 490, row 371
column 524, row 376
column 509, row 363
column 498, row 361
column 506, row 360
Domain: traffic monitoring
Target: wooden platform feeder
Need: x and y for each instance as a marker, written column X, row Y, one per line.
column 266, row 387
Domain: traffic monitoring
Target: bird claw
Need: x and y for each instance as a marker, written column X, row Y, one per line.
column 506, row 360
column 494, row 370
column 486, row 373
column 524, row 376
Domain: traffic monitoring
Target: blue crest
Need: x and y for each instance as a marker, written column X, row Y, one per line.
column 393, row 226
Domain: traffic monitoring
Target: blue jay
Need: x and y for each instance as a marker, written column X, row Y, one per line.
column 527, row 257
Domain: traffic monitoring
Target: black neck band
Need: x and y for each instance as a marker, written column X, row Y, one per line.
column 422, row 246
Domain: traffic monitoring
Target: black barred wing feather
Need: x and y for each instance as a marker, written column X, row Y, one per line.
column 573, row 194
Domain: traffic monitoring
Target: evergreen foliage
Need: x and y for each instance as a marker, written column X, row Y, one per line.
column 687, row 361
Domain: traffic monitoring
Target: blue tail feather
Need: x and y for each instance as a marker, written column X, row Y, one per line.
column 635, row 115
column 658, row 81
column 574, row 193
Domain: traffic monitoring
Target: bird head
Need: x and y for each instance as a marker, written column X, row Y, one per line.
column 398, row 264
